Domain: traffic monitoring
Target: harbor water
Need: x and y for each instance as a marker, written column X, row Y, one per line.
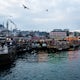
column 64, row 65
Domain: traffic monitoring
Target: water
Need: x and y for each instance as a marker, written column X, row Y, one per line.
column 44, row 66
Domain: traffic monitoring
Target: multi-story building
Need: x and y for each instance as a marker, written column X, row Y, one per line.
column 58, row 34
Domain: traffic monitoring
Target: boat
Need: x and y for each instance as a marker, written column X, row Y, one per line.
column 7, row 53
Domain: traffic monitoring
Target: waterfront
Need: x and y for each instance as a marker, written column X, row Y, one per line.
column 62, row 65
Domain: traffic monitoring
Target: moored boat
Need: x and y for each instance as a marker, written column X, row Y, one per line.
column 7, row 55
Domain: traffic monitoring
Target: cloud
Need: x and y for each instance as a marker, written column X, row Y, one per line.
column 9, row 8
column 66, row 12
column 58, row 18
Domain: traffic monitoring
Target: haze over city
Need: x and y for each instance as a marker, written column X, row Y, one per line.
column 42, row 15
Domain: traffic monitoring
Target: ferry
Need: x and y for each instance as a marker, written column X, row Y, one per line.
column 6, row 52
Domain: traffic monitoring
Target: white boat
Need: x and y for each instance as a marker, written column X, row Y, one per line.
column 7, row 55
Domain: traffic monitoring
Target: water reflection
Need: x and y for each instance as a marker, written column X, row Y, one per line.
column 42, row 56
column 51, row 57
column 44, row 66
column 73, row 55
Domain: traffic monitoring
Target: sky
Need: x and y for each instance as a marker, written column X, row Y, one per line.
column 42, row 15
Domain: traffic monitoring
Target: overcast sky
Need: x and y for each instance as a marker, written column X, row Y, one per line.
column 42, row 15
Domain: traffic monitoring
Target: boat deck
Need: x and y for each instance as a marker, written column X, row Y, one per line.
column 4, row 50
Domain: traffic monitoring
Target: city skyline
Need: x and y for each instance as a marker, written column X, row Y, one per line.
column 44, row 15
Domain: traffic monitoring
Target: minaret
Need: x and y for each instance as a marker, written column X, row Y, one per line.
column 7, row 26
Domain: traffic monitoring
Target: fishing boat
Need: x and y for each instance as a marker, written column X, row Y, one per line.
column 6, row 53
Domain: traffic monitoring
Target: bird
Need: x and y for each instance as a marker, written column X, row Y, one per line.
column 47, row 10
column 25, row 7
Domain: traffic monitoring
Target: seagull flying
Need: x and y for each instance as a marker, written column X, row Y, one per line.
column 47, row 10
column 25, row 7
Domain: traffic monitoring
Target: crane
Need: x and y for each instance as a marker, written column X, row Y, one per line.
column 7, row 25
